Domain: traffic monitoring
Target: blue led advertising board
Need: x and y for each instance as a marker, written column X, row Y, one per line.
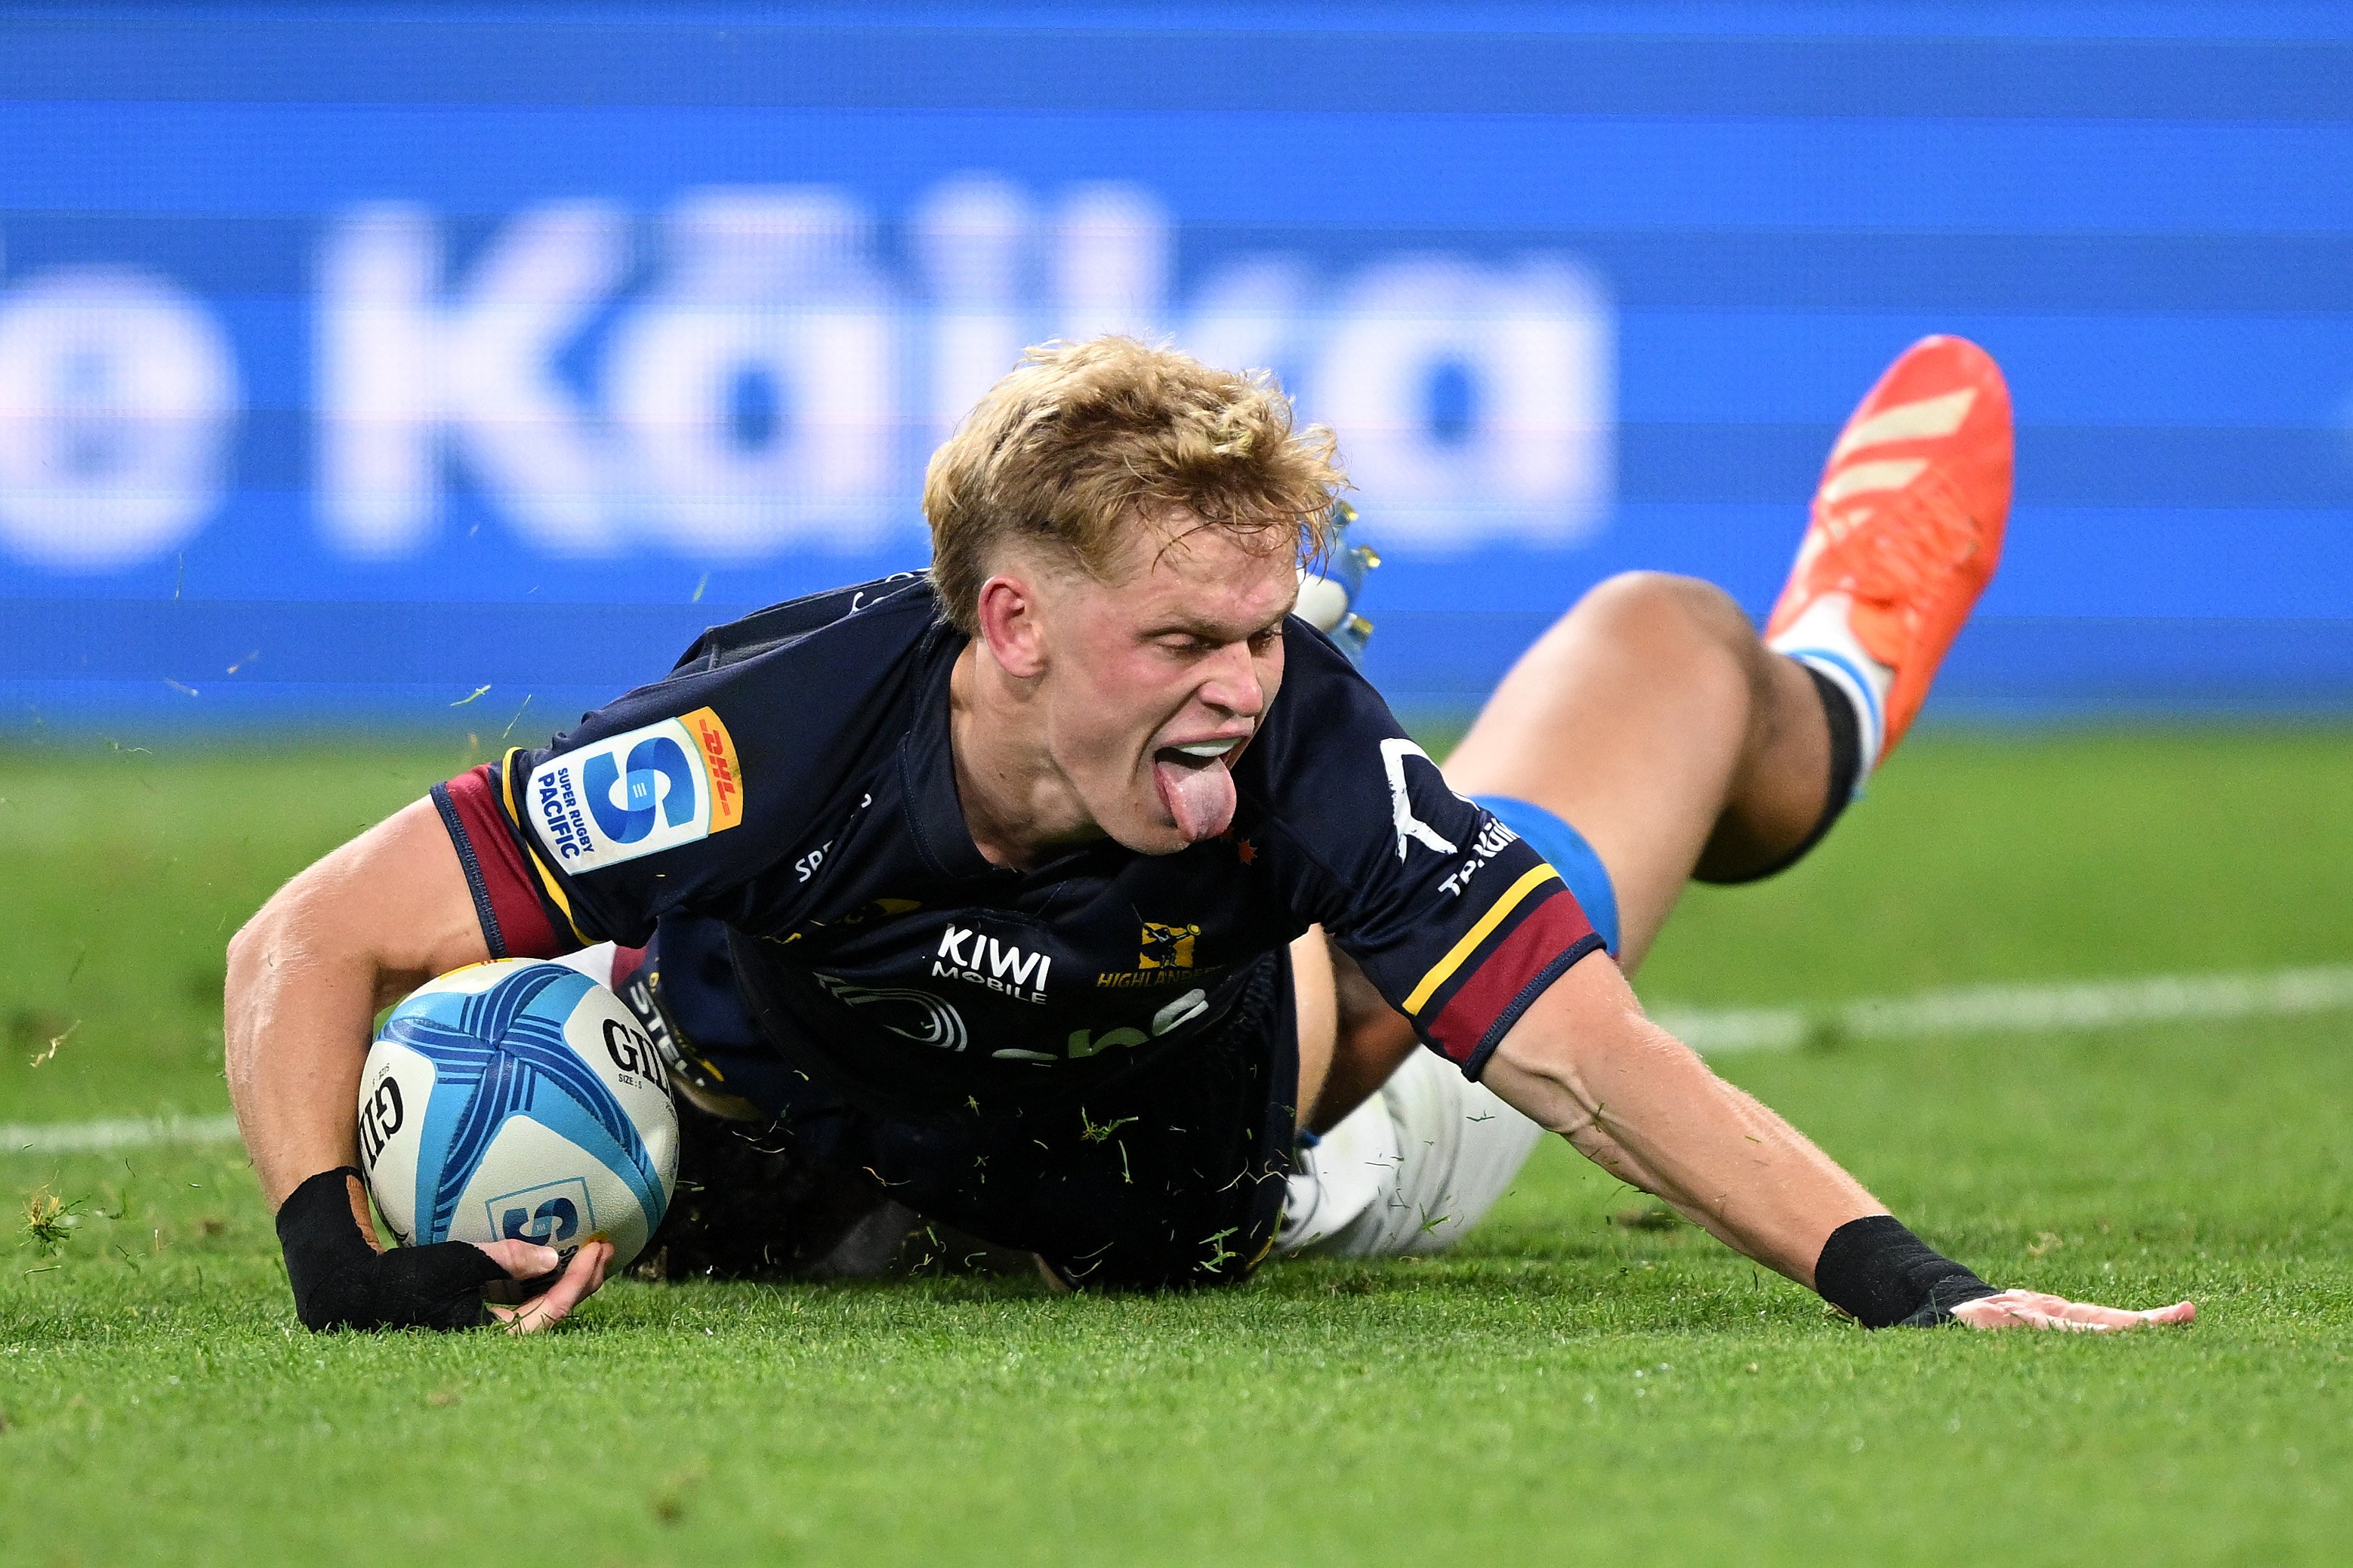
column 355, row 358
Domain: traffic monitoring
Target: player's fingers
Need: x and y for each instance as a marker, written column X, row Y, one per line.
column 580, row 1280
column 2126, row 1318
column 539, row 1313
column 1998, row 1310
column 2058, row 1322
column 2112, row 1316
column 2018, row 1309
column 598, row 1256
column 2041, row 1309
column 2043, row 1304
column 1986, row 1312
column 520, row 1259
column 2090, row 1313
column 1989, row 1313
column 2068, row 1311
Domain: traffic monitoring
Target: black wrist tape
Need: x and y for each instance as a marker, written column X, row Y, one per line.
column 1883, row 1276
column 318, row 1233
column 342, row 1282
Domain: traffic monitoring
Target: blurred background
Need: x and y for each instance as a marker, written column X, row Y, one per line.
column 361, row 361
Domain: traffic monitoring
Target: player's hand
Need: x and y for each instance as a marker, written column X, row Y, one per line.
column 343, row 1279
column 2041, row 1309
column 578, row 1280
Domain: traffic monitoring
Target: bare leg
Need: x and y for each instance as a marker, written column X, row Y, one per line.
column 1651, row 719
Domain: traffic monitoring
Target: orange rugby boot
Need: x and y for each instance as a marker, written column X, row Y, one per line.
column 1906, row 530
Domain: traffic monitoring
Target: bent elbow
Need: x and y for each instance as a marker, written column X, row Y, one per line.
column 243, row 943
column 252, row 950
column 287, row 925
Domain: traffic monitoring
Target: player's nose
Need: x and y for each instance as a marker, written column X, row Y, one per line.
column 1230, row 682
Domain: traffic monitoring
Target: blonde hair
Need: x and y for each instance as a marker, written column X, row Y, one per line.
column 1082, row 444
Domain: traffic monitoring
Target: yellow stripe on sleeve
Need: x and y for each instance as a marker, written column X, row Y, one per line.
column 530, row 850
column 1445, row 968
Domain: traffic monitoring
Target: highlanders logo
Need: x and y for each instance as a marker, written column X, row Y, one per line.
column 1167, row 959
column 1167, row 946
column 635, row 794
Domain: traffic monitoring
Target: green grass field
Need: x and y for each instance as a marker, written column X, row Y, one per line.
column 1562, row 1389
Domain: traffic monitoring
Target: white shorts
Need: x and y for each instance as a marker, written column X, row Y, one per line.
column 1410, row 1170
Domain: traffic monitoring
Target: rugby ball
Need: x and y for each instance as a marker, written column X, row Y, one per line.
column 517, row 1098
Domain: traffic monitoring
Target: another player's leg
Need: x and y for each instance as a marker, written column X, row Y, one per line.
column 1678, row 743
column 1652, row 736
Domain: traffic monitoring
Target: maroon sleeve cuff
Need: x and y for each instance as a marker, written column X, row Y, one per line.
column 514, row 921
column 1509, row 977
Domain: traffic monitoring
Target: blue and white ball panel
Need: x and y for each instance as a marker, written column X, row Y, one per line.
column 518, row 1099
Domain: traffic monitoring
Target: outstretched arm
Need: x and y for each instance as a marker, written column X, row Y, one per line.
column 307, row 974
column 1586, row 1063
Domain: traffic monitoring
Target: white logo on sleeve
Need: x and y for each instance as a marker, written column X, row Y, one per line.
column 631, row 795
column 1410, row 828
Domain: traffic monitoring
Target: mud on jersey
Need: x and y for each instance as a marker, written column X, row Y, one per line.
column 792, row 779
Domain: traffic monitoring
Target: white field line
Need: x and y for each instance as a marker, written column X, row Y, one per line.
column 2019, row 1009
column 1714, row 1031
column 119, row 1132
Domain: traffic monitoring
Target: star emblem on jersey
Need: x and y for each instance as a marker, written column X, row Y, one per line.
column 1167, row 946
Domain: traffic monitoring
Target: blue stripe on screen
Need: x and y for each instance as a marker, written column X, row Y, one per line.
column 1659, row 462
column 258, row 272
column 2051, row 178
column 1516, row 64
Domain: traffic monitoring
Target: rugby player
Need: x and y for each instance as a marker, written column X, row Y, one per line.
column 1052, row 892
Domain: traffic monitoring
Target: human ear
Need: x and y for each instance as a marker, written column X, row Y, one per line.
column 1010, row 624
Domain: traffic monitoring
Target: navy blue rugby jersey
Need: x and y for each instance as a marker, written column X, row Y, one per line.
column 791, row 778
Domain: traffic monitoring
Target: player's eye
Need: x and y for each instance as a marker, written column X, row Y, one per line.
column 1192, row 644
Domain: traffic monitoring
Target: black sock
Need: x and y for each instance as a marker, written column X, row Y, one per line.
column 1846, row 770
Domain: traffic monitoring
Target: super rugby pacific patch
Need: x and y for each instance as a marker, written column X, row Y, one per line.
column 637, row 793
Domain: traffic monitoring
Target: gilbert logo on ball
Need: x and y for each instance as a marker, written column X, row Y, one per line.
column 521, row 1099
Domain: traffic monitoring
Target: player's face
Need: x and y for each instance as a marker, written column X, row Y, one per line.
column 1158, row 681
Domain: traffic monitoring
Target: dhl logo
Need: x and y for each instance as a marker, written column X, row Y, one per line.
column 719, row 761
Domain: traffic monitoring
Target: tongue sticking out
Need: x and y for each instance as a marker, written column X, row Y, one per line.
column 1198, row 795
